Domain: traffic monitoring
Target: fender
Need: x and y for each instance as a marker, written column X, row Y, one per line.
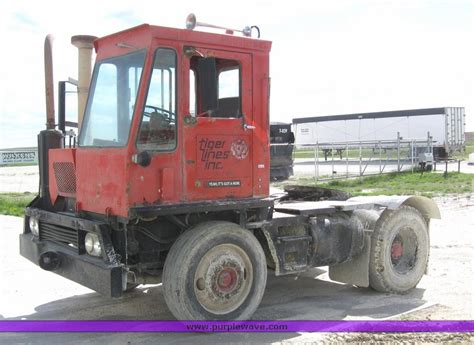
column 426, row 206
column 356, row 271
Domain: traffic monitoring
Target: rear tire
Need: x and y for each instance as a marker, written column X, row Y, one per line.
column 399, row 252
column 215, row 271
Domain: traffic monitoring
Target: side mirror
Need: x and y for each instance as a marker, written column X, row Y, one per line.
column 143, row 159
column 207, row 78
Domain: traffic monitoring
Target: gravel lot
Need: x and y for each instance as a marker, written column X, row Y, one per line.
column 19, row 179
column 446, row 293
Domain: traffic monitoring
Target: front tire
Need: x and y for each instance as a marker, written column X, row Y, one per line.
column 399, row 252
column 215, row 271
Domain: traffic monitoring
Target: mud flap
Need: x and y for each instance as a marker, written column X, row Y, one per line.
column 356, row 270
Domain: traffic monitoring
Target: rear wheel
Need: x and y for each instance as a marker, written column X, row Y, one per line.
column 215, row 271
column 399, row 252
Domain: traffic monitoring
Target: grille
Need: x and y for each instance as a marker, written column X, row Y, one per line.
column 58, row 234
column 65, row 177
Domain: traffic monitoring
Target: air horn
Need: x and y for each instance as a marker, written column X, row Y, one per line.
column 191, row 23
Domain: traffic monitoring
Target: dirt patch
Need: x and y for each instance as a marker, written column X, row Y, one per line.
column 399, row 338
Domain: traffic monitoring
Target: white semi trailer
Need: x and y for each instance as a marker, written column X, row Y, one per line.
column 445, row 125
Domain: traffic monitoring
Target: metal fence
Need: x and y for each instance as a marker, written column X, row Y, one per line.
column 361, row 158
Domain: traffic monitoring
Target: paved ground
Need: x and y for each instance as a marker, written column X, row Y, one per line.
column 28, row 293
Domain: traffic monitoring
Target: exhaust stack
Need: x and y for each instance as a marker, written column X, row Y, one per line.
column 84, row 43
column 49, row 81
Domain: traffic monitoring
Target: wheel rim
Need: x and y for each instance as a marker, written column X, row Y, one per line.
column 223, row 279
column 404, row 250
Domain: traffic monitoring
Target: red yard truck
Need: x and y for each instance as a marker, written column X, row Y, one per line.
column 169, row 182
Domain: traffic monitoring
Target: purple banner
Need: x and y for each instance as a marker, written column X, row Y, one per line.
column 236, row 326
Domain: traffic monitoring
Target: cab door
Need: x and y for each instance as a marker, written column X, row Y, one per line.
column 155, row 177
column 218, row 138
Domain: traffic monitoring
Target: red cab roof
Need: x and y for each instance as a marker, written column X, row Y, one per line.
column 141, row 37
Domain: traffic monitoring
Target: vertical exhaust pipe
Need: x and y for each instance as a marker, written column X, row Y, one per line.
column 49, row 81
column 84, row 43
column 48, row 138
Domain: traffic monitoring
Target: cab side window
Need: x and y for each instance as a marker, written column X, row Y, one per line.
column 227, row 88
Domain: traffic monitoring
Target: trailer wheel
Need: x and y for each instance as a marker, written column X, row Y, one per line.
column 400, row 251
column 215, row 271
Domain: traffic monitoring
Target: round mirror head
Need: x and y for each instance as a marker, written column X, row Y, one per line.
column 144, row 159
column 190, row 21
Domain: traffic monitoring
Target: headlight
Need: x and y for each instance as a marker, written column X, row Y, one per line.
column 34, row 226
column 92, row 244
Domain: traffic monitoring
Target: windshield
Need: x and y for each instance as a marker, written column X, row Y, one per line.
column 111, row 101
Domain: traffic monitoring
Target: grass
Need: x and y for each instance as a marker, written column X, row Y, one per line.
column 13, row 204
column 428, row 184
column 19, row 165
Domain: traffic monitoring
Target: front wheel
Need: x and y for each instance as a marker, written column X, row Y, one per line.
column 399, row 252
column 215, row 271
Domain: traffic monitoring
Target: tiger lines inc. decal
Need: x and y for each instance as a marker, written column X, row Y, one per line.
column 213, row 152
column 239, row 149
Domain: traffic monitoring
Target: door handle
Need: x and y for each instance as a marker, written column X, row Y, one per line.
column 246, row 126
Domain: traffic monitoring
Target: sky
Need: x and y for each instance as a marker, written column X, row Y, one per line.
column 328, row 57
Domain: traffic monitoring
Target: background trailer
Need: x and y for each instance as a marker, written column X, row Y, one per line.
column 445, row 125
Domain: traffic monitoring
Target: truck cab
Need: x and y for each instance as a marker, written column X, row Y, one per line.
column 172, row 118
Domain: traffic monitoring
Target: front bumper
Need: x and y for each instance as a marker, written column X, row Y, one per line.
column 87, row 271
column 105, row 275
